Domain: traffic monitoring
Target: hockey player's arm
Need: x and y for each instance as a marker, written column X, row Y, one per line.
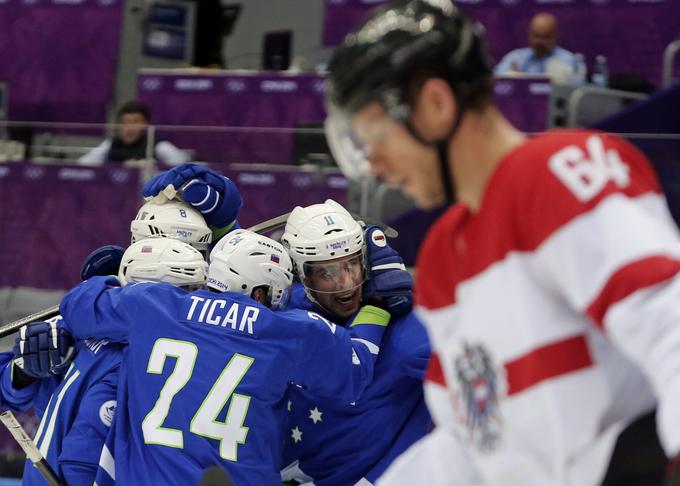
column 613, row 252
column 410, row 338
column 15, row 398
column 98, row 308
column 336, row 362
column 83, row 444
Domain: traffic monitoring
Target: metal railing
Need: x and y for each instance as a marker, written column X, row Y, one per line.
column 668, row 66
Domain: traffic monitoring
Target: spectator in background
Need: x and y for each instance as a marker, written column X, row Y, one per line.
column 130, row 142
column 543, row 54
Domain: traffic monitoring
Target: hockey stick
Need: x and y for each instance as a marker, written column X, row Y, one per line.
column 32, row 452
column 278, row 221
column 41, row 315
column 387, row 229
column 270, row 224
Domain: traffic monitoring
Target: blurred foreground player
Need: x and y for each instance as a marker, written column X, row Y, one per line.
column 550, row 293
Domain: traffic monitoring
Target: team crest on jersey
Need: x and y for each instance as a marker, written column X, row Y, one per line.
column 480, row 391
column 107, row 411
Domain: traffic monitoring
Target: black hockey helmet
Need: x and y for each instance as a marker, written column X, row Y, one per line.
column 376, row 61
column 379, row 61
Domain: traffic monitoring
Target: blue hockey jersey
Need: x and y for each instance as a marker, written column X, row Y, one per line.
column 206, row 374
column 76, row 412
column 340, row 444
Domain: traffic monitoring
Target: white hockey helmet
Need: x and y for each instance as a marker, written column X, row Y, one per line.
column 174, row 219
column 319, row 233
column 243, row 260
column 163, row 260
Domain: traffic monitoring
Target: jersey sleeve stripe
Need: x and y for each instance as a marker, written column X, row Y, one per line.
column 372, row 348
column 107, row 463
column 546, row 362
column 629, row 279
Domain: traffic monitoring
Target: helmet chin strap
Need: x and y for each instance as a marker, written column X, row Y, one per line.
column 445, row 170
column 442, row 147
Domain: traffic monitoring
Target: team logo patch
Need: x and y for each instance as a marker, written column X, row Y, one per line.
column 378, row 238
column 107, row 411
column 480, row 391
column 235, row 240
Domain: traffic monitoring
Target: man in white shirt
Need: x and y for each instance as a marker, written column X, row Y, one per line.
column 130, row 142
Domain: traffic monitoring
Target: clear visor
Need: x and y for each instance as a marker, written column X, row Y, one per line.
column 341, row 275
column 347, row 149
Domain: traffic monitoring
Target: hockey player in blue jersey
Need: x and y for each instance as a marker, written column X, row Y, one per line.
column 25, row 377
column 206, row 374
column 338, row 444
column 76, row 418
column 322, row 442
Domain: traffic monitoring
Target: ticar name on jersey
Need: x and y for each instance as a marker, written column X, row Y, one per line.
column 221, row 312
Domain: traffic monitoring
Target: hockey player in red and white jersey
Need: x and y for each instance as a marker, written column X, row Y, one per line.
column 550, row 292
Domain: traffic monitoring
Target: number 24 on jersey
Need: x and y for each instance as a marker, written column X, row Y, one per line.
column 231, row 432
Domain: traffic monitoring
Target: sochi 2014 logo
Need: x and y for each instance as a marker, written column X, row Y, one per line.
column 152, row 84
column 480, row 389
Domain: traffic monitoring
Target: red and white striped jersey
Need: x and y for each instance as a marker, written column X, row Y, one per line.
column 554, row 311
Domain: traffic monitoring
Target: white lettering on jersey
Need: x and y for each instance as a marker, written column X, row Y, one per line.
column 195, row 300
column 231, row 317
column 585, row 175
column 317, row 317
column 213, row 312
column 248, row 317
column 215, row 320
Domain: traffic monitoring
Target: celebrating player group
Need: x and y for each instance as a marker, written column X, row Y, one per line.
column 549, row 296
column 205, row 344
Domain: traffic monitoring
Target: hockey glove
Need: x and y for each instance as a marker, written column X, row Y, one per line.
column 214, row 195
column 387, row 277
column 43, row 349
column 102, row 262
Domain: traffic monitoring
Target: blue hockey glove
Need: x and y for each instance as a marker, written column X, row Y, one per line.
column 43, row 349
column 215, row 196
column 102, row 262
column 387, row 277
